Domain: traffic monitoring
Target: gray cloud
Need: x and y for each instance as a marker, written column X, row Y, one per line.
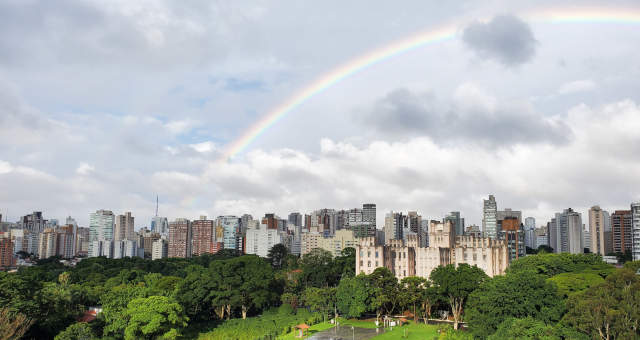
column 468, row 119
column 505, row 38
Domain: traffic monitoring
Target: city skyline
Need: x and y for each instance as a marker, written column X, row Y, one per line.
column 107, row 106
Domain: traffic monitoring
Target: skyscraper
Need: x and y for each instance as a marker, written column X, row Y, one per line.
column 295, row 218
column 621, row 231
column 596, row 230
column 530, row 232
column 393, row 225
column 100, row 227
column 635, row 225
column 124, row 227
column 180, row 238
column 231, row 226
column 369, row 214
column 569, row 232
column 489, row 217
column 34, row 222
column 456, row 221
column 160, row 225
column 202, row 232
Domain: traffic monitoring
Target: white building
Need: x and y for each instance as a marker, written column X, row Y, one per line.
column 101, row 248
column 635, row 227
column 160, row 249
column 124, row 227
column 260, row 241
column 100, row 228
column 125, row 248
column 489, row 217
column 231, row 226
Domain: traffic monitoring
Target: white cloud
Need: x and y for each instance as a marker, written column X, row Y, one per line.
column 5, row 167
column 577, row 87
column 84, row 169
column 203, row 147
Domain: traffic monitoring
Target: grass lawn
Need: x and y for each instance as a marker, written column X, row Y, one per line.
column 369, row 323
column 313, row 329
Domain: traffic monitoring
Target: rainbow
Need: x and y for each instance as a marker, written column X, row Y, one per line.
column 437, row 35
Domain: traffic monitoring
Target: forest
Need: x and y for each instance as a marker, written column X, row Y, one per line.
column 232, row 296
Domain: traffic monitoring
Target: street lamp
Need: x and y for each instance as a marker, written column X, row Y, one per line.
column 353, row 333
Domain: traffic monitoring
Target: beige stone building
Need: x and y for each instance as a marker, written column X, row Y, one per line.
column 343, row 238
column 409, row 259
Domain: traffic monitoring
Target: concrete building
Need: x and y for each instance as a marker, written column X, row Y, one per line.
column 231, row 228
column 596, row 230
column 342, row 239
column 489, row 217
column 369, row 214
column 100, row 227
column 82, row 241
column 259, row 241
column 160, row 225
column 635, row 226
column 621, row 230
column 511, row 231
column 101, row 248
column 393, row 226
column 160, row 249
column 405, row 259
column 180, row 238
column 530, row 232
column 541, row 237
column 202, row 232
column 48, row 243
column 124, row 227
column 608, row 234
column 456, row 221
column 7, row 257
column 296, row 219
column 125, row 248
column 586, row 239
column 33, row 222
column 65, row 242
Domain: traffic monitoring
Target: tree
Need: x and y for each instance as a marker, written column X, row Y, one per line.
column 544, row 249
column 153, row 317
column 77, row 331
column 526, row 328
column 385, row 291
column 570, row 283
column 352, row 296
column 430, row 298
column 277, row 255
column 253, row 283
column 456, row 284
column 512, row 296
column 345, row 264
column 610, row 310
column 114, row 305
column 317, row 268
column 318, row 300
column 554, row 264
column 412, row 291
column 13, row 325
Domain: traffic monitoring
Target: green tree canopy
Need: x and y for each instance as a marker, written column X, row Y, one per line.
column 512, row 296
column 154, row 317
column 456, row 283
column 384, row 291
column 353, row 296
column 77, row 331
column 527, row 328
column 277, row 256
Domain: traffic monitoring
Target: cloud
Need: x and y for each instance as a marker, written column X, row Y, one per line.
column 84, row 169
column 204, row 147
column 472, row 117
column 505, row 38
column 577, row 87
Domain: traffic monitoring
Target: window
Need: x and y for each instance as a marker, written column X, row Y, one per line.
column 360, row 263
column 368, row 254
column 376, row 254
column 369, row 264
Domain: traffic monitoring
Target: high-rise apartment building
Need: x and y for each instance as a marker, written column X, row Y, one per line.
column 160, row 249
column 621, row 231
column 100, row 227
column 513, row 234
column 271, row 221
column 7, row 257
column 202, row 232
column 530, row 232
column 34, row 222
column 180, row 238
column 160, row 225
column 296, row 219
column 260, row 240
column 565, row 232
column 231, row 227
column 124, row 227
column 393, row 226
column 66, row 241
column 586, row 239
column 48, row 243
column 489, row 217
column 608, row 234
column 369, row 214
column 635, row 226
column 82, row 241
column 456, row 221
column 596, row 230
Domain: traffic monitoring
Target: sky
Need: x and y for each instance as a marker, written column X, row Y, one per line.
column 106, row 104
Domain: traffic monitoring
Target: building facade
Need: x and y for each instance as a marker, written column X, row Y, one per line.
column 621, row 231
column 489, row 217
column 596, row 230
column 124, row 227
column 202, row 232
column 405, row 259
column 180, row 238
column 635, row 226
column 100, row 227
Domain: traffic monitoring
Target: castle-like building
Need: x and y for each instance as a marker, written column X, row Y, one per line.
column 405, row 259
